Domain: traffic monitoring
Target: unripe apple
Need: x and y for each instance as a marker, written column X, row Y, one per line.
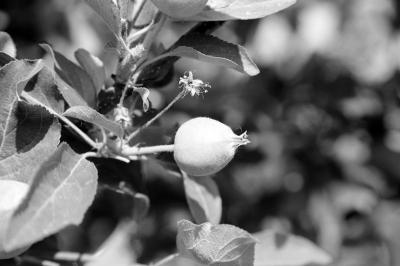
column 180, row 8
column 11, row 195
column 203, row 146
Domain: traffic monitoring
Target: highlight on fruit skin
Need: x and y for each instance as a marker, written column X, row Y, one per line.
column 203, row 146
column 180, row 9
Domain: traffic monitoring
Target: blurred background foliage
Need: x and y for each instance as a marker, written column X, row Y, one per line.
column 323, row 117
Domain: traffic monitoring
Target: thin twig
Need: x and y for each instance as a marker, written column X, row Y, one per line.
column 73, row 256
column 36, row 261
column 166, row 259
column 134, row 151
column 149, row 122
column 148, row 40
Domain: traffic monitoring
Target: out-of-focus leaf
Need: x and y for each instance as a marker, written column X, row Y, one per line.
column 13, row 78
column 215, row 245
column 141, row 205
column 278, row 249
column 22, row 166
column 240, row 9
column 93, row 66
column 90, row 115
column 109, row 12
column 203, row 198
column 210, row 49
column 7, row 45
column 117, row 249
column 74, row 76
column 59, row 195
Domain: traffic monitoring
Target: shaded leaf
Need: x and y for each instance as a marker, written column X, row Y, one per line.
column 59, row 195
column 27, row 126
column 13, row 78
column 109, row 12
column 93, row 66
column 74, row 76
column 90, row 115
column 222, row 245
column 240, row 9
column 7, row 45
column 117, row 249
column 144, row 94
column 212, row 50
column 141, row 205
column 5, row 59
column 43, row 89
column 160, row 72
column 23, row 166
column 203, row 198
column 278, row 249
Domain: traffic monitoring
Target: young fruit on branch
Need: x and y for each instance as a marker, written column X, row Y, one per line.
column 203, row 146
column 180, row 9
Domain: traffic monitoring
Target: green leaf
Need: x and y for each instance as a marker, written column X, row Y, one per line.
column 141, row 205
column 22, row 166
column 59, row 195
column 73, row 76
column 144, row 94
column 215, row 245
column 90, row 115
column 126, row 8
column 93, row 66
column 177, row 260
column 109, row 12
column 278, row 249
column 240, row 9
column 210, row 49
column 117, row 249
column 203, row 199
column 7, row 45
column 42, row 90
column 13, row 78
column 5, row 59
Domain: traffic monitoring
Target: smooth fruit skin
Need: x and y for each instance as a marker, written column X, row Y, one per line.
column 203, row 146
column 180, row 8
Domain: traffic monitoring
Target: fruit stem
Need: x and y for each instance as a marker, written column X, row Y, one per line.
column 133, row 151
column 149, row 122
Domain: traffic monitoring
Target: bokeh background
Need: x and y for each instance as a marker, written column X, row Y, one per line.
column 323, row 117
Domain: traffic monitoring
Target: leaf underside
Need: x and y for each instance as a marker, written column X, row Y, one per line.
column 59, row 195
column 203, row 199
